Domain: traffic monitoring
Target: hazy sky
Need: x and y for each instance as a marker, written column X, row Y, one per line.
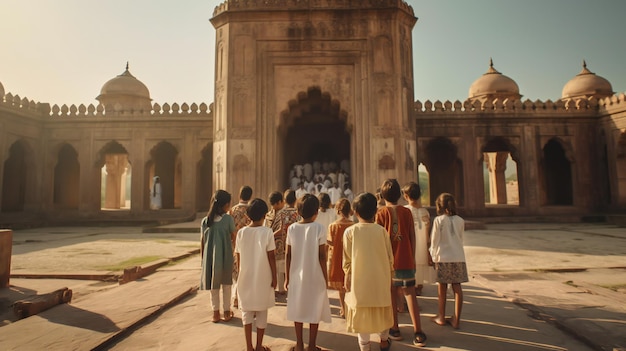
column 63, row 51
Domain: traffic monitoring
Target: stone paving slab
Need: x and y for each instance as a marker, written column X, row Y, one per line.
column 594, row 315
column 94, row 320
column 490, row 323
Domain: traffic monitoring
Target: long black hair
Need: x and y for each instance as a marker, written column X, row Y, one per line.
column 218, row 201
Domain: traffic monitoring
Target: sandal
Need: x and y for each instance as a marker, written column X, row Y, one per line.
column 394, row 334
column 228, row 315
column 388, row 346
column 420, row 339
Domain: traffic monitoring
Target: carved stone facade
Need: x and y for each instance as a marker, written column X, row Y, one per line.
column 276, row 69
column 296, row 78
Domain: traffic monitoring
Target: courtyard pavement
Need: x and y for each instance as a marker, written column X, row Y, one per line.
column 532, row 287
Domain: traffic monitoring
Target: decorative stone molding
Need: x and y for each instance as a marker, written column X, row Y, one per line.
column 256, row 5
column 517, row 106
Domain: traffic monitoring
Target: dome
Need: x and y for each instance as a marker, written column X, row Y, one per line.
column 125, row 84
column 494, row 85
column 126, row 92
column 1, row 92
column 587, row 84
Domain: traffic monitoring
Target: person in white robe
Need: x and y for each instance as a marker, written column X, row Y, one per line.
column 155, row 194
column 256, row 265
column 307, row 276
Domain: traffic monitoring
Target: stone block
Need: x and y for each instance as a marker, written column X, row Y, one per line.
column 6, row 247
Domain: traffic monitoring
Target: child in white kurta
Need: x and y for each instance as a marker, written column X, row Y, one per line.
column 424, row 271
column 368, row 265
column 306, row 278
column 448, row 255
column 257, row 272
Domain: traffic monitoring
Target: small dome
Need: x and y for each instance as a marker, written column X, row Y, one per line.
column 587, row 84
column 494, row 85
column 125, row 84
column 125, row 91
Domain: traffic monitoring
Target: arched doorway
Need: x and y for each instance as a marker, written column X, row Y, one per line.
column 445, row 169
column 314, row 132
column 557, row 174
column 115, row 173
column 500, row 173
column 620, row 165
column 14, row 178
column 166, row 164
column 204, row 179
column 66, row 178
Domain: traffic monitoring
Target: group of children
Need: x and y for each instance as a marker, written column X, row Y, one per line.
column 389, row 251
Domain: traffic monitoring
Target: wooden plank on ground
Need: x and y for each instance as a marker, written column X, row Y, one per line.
column 98, row 317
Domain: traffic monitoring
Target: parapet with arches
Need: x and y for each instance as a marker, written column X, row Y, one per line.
column 617, row 101
column 24, row 105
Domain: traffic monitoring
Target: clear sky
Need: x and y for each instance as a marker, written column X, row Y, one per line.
column 63, row 51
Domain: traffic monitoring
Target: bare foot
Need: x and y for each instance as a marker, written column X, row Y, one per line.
column 228, row 315
column 438, row 320
column 216, row 316
column 454, row 322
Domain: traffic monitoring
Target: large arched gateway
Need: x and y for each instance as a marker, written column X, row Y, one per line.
column 313, row 81
column 313, row 129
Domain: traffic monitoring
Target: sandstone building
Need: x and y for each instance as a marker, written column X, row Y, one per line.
column 285, row 71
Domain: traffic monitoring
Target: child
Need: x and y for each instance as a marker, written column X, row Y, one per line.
column 307, row 299
column 273, row 220
column 324, row 215
column 424, row 272
column 398, row 221
column 218, row 234
column 257, row 273
column 368, row 267
column 335, row 249
column 283, row 219
column 238, row 212
column 447, row 252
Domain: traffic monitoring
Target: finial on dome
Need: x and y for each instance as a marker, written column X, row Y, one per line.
column 584, row 63
column 127, row 65
column 492, row 70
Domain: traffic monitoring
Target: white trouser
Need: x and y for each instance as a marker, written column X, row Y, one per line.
column 215, row 298
column 280, row 272
column 364, row 339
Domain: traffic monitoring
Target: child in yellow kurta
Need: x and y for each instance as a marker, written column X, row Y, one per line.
column 368, row 265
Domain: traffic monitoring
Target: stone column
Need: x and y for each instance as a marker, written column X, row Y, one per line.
column 497, row 177
column 115, row 166
column 6, row 245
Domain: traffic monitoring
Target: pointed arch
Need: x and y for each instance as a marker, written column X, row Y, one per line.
column 313, row 129
column 621, row 168
column 500, row 172
column 204, row 183
column 445, row 169
column 18, row 177
column 115, row 173
column 165, row 163
column 557, row 173
column 66, row 181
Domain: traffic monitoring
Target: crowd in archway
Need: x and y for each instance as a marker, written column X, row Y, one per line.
column 330, row 177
